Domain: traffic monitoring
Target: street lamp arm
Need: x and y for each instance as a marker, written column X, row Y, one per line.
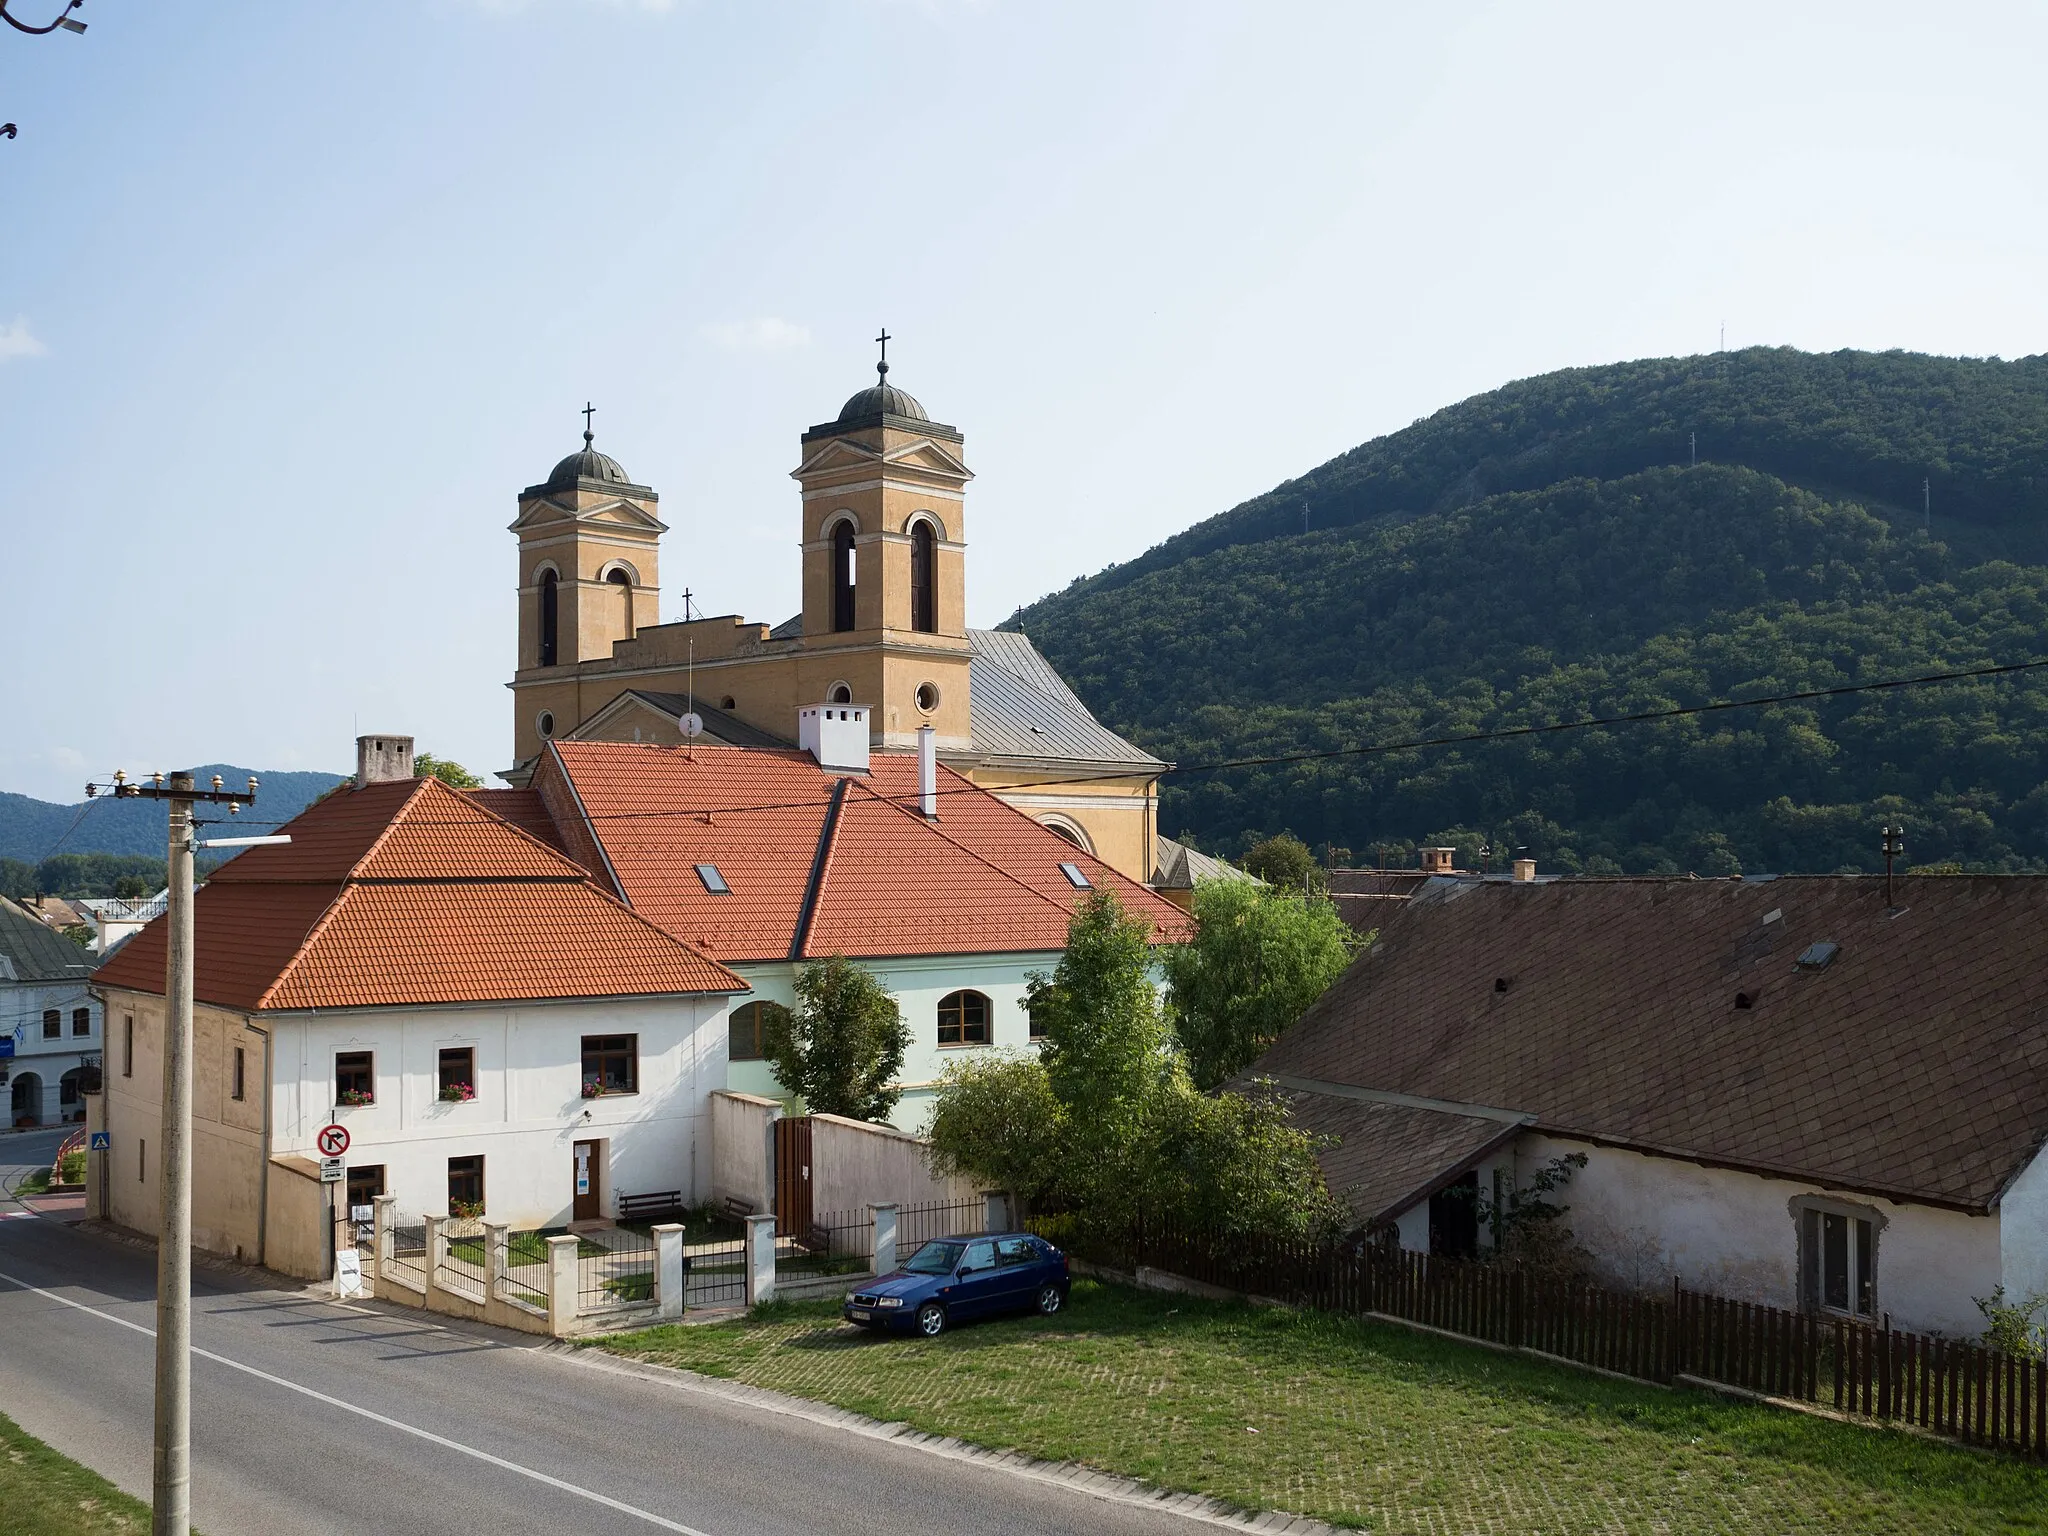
column 22, row 26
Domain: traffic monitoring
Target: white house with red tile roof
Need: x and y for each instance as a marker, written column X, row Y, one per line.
column 444, row 986
column 765, row 859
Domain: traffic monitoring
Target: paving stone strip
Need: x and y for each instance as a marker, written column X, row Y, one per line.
column 1071, row 1474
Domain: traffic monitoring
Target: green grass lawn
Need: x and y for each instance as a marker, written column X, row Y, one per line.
column 520, row 1248
column 1364, row 1424
column 44, row 1494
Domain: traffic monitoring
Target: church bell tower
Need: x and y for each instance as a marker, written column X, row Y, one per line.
column 589, row 576
column 884, row 564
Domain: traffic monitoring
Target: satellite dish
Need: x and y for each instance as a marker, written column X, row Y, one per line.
column 691, row 725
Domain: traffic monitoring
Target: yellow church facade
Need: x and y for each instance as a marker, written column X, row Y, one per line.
column 883, row 538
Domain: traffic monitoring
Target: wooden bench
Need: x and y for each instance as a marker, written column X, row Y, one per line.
column 738, row 1207
column 665, row 1206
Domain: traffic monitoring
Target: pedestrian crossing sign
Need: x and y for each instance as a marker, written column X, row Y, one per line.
column 102, row 1140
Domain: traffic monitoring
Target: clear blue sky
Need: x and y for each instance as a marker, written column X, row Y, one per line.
column 294, row 298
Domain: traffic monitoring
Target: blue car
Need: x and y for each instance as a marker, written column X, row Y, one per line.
column 952, row 1279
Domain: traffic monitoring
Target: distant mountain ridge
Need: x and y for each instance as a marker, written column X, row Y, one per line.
column 1549, row 551
column 31, row 830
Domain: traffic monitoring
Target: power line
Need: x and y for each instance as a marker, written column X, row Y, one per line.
column 1471, row 738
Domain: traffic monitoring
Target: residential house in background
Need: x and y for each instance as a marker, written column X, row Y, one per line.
column 1786, row 1089
column 49, row 1023
column 115, row 918
column 493, row 1030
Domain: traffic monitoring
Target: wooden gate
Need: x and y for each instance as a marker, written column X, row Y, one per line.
column 793, row 1176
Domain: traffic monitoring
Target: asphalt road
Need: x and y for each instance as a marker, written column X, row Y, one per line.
column 312, row 1416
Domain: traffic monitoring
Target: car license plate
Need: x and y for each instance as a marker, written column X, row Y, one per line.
column 859, row 1314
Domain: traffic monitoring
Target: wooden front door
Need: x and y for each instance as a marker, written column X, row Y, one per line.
column 793, row 1176
column 589, row 1203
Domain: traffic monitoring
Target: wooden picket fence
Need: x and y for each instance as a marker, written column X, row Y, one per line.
column 1973, row 1393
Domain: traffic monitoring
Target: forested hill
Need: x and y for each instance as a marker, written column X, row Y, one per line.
column 31, row 830
column 1548, row 552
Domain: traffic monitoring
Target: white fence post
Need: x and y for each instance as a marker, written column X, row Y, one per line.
column 437, row 1248
column 382, row 1209
column 884, row 1218
column 494, row 1259
column 995, row 1210
column 669, row 1274
column 760, row 1260
column 563, row 1284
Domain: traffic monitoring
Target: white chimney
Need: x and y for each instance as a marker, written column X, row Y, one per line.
column 380, row 759
column 836, row 735
column 928, row 771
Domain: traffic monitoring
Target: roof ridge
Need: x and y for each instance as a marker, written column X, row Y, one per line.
column 572, row 868
column 821, row 865
column 932, row 825
column 305, row 945
column 419, row 787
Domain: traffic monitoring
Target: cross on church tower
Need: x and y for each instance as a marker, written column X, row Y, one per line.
column 589, row 411
column 882, row 368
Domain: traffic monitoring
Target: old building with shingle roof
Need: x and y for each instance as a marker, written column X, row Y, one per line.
column 1789, row 1088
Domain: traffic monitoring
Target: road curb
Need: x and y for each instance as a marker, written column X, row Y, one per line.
column 1073, row 1475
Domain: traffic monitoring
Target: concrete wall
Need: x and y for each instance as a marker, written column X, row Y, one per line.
column 1647, row 1218
column 227, row 1133
column 743, row 1148
column 854, row 1164
column 2023, row 1232
column 529, row 1110
column 298, row 1232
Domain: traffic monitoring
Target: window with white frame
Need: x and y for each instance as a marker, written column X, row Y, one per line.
column 1837, row 1256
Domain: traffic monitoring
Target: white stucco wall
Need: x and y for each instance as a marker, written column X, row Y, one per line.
column 1648, row 1218
column 917, row 984
column 2023, row 1232
column 529, row 1111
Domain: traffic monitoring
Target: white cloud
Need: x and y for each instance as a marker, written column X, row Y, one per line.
column 764, row 335
column 17, row 340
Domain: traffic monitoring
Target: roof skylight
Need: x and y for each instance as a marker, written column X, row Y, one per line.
column 1076, row 877
column 714, row 882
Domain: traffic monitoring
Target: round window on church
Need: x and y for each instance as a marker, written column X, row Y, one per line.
column 546, row 723
column 927, row 697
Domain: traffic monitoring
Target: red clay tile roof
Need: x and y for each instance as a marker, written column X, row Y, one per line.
column 1914, row 1065
column 410, row 892
column 874, row 878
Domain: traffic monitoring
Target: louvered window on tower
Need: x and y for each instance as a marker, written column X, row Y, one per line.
column 1076, row 877
column 714, row 882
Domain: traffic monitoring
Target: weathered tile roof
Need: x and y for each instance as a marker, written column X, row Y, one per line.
column 1914, row 1065
column 35, row 951
column 820, row 864
column 410, row 893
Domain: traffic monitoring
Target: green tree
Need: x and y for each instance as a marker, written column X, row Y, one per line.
column 1105, row 1038
column 995, row 1120
column 1236, row 1165
column 1284, row 861
column 427, row 766
column 1259, row 956
column 841, row 1048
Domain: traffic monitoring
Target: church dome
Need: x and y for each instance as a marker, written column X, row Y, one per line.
column 882, row 399
column 587, row 465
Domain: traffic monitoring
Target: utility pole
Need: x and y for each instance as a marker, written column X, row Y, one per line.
column 171, row 1460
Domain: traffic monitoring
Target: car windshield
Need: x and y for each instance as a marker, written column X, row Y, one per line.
column 935, row 1259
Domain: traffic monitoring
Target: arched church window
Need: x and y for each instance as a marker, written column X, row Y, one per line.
column 842, row 576
column 624, row 583
column 839, row 693
column 924, row 579
column 550, row 617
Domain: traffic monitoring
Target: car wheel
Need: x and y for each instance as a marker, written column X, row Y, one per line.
column 931, row 1319
column 1050, row 1299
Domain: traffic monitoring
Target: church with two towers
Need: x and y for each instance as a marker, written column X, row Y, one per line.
column 881, row 528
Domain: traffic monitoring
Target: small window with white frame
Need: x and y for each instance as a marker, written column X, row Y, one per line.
column 1837, row 1256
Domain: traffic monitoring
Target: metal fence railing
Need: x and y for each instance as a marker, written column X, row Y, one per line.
column 407, row 1260
column 525, row 1275
column 835, row 1243
column 919, row 1224
column 619, row 1272
column 717, row 1273
column 465, row 1252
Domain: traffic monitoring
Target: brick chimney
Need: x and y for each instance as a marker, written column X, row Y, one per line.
column 379, row 759
column 1439, row 861
column 1525, row 870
